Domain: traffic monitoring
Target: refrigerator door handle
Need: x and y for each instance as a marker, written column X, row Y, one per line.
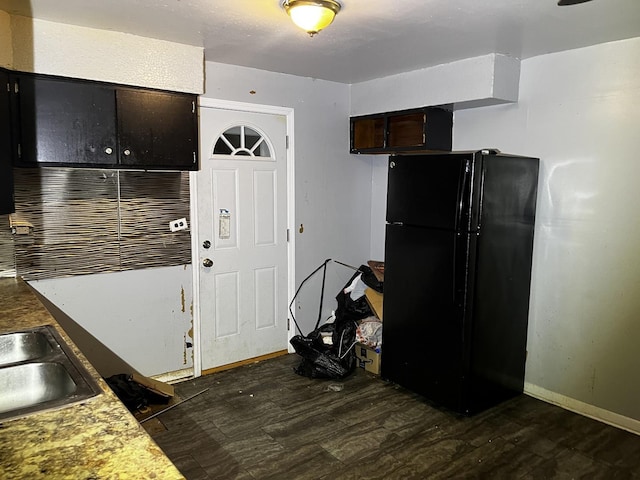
column 462, row 186
column 454, row 289
column 459, row 271
column 481, row 200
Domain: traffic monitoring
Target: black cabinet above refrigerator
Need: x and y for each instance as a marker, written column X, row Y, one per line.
column 418, row 129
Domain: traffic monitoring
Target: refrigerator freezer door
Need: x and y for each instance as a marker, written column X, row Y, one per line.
column 508, row 191
column 430, row 190
column 424, row 295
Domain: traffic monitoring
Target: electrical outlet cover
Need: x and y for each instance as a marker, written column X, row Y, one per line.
column 179, row 224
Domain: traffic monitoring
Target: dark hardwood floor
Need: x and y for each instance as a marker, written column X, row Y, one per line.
column 262, row 421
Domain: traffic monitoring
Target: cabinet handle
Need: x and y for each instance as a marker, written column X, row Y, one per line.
column 108, row 150
column 127, row 152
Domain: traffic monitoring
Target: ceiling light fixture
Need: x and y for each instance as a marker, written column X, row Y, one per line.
column 312, row 15
column 564, row 3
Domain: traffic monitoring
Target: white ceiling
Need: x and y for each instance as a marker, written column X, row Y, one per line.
column 368, row 39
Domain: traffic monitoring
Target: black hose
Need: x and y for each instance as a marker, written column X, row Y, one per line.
column 324, row 276
column 324, row 265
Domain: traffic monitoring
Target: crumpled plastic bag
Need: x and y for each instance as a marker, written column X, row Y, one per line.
column 369, row 332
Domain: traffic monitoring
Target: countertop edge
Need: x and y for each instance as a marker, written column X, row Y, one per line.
column 98, row 438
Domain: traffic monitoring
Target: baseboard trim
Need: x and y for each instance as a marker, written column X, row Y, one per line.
column 175, row 377
column 229, row 366
column 582, row 408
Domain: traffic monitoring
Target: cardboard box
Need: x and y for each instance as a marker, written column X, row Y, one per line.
column 368, row 358
column 375, row 301
column 161, row 388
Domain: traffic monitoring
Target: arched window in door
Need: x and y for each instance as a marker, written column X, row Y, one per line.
column 242, row 140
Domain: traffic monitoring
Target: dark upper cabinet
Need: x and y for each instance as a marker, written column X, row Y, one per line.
column 64, row 123
column 428, row 128
column 6, row 171
column 67, row 122
column 156, row 129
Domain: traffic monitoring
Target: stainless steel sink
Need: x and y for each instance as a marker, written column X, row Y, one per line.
column 34, row 383
column 38, row 371
column 22, row 346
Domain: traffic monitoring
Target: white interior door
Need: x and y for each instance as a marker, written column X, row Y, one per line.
column 241, row 235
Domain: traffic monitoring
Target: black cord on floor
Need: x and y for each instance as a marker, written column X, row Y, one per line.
column 323, row 267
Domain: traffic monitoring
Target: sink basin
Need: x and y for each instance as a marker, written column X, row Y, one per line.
column 20, row 346
column 38, row 372
column 34, row 383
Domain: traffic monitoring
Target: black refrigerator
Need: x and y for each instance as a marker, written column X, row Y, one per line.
column 459, row 241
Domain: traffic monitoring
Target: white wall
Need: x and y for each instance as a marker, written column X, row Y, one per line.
column 6, row 50
column 333, row 188
column 143, row 316
column 579, row 111
column 68, row 50
column 138, row 315
column 378, row 205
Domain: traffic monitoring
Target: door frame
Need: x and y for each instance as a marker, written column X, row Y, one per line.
column 288, row 113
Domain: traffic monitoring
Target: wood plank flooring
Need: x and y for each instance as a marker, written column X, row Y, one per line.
column 262, row 421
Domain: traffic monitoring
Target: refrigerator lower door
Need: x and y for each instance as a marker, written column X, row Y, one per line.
column 500, row 317
column 423, row 335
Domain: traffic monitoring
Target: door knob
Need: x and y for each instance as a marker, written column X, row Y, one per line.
column 207, row 262
column 206, row 244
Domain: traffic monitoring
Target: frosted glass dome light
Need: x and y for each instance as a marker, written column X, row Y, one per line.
column 312, row 15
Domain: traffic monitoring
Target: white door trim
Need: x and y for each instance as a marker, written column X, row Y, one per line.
column 288, row 113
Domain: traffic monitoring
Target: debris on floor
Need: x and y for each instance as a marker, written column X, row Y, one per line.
column 329, row 351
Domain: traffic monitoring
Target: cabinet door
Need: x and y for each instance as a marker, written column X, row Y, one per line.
column 367, row 133
column 6, row 170
column 65, row 122
column 157, row 130
column 406, row 130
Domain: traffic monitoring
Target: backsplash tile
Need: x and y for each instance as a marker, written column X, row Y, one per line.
column 95, row 221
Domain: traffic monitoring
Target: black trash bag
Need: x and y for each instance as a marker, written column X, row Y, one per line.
column 317, row 360
column 370, row 280
column 338, row 360
column 349, row 309
column 131, row 393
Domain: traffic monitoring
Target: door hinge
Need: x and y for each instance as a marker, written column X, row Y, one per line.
column 286, row 141
column 193, row 107
column 16, row 87
column 195, row 159
column 288, row 231
column 19, row 151
column 8, row 87
column 288, row 324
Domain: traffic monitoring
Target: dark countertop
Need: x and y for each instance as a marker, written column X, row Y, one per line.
column 97, row 439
